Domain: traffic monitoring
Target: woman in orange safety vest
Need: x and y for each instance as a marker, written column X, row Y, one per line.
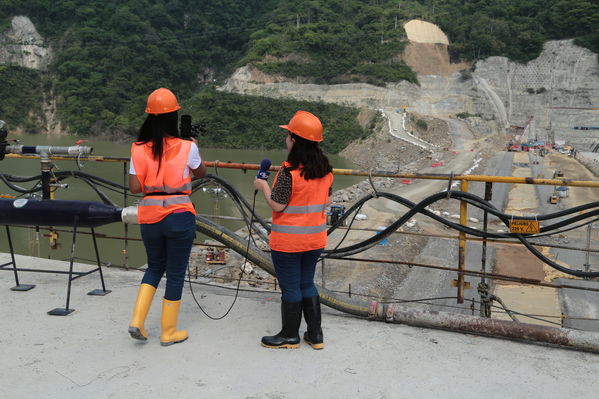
column 300, row 193
column 161, row 168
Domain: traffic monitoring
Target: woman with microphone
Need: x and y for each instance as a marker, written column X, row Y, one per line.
column 298, row 198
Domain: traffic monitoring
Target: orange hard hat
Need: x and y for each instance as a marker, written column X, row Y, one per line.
column 305, row 125
column 162, row 101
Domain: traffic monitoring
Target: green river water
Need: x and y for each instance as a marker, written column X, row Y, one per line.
column 27, row 242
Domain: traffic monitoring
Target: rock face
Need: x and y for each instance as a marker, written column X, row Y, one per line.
column 22, row 45
column 436, row 95
column 431, row 59
column 501, row 92
column 564, row 75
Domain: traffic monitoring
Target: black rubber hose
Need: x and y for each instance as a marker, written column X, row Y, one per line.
column 470, row 198
column 543, row 258
column 255, row 255
column 419, row 208
column 506, row 218
column 239, row 201
column 381, row 311
column 20, row 179
column 92, row 177
column 21, row 190
column 102, row 196
column 486, row 206
column 413, row 210
column 234, row 193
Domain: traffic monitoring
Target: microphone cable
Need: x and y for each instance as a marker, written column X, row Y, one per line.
column 247, row 249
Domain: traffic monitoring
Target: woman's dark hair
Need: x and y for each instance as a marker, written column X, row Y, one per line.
column 314, row 163
column 155, row 128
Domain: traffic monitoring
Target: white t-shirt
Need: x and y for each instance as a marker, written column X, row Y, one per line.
column 194, row 160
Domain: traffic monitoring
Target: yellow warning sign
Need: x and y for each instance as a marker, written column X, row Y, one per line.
column 524, row 226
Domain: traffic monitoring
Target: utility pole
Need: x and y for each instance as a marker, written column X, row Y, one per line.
column 297, row 21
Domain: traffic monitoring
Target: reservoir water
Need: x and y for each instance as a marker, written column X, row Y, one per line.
column 27, row 241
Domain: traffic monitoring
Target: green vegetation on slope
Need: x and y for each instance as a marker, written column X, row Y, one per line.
column 110, row 54
column 332, row 41
column 335, row 37
column 516, row 29
column 234, row 121
column 21, row 102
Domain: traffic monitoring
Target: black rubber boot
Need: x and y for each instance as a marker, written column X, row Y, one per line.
column 291, row 317
column 313, row 317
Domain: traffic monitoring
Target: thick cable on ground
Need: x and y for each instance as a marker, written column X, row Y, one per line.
column 580, row 340
column 263, row 260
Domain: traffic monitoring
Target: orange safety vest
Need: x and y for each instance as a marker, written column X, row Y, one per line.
column 302, row 226
column 169, row 179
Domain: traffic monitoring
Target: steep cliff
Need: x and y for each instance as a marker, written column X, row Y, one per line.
column 22, row 45
column 29, row 104
column 550, row 87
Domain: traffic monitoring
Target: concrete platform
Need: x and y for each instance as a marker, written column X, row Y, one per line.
column 90, row 354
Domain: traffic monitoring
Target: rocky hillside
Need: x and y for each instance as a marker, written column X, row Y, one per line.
column 22, row 45
column 92, row 64
column 501, row 92
column 564, row 77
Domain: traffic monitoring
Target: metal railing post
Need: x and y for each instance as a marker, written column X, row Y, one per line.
column 462, row 243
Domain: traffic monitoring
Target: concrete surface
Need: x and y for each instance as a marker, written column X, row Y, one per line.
column 580, row 306
column 90, row 354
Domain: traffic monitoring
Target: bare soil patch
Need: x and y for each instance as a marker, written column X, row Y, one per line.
column 517, row 261
column 431, row 59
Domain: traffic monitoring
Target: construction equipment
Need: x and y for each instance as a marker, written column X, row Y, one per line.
column 216, row 256
column 336, row 212
column 516, row 143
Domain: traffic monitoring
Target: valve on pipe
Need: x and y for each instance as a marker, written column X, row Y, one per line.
column 45, row 151
column 42, row 150
column 49, row 150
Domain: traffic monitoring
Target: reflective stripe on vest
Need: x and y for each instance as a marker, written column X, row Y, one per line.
column 164, row 202
column 167, row 189
column 169, row 178
column 301, row 226
column 279, row 228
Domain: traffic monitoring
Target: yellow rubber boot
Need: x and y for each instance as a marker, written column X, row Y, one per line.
column 170, row 334
column 140, row 311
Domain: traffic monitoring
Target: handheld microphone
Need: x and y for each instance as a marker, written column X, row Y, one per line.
column 263, row 173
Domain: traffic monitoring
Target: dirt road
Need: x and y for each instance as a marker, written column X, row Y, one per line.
column 382, row 280
column 548, row 304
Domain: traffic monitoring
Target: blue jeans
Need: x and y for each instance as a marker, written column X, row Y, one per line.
column 295, row 271
column 168, row 244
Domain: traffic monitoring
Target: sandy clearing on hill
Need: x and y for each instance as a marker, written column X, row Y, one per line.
column 424, row 32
